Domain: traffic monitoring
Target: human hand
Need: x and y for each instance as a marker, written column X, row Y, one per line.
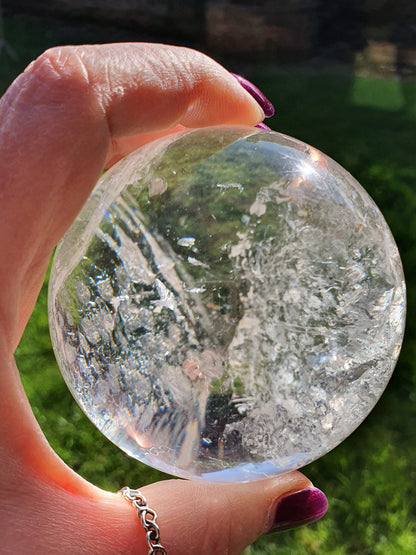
column 74, row 111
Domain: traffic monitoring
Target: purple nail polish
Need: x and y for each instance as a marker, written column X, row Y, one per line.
column 299, row 507
column 265, row 104
column 263, row 126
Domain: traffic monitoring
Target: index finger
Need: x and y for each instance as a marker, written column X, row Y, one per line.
column 57, row 122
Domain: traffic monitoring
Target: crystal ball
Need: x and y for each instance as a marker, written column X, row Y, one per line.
column 229, row 304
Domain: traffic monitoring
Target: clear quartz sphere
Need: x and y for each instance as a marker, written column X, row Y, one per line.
column 229, row 304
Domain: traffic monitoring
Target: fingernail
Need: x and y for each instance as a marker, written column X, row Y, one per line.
column 256, row 93
column 299, row 507
column 263, row 126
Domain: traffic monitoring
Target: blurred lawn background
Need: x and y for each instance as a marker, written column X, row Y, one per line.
column 368, row 126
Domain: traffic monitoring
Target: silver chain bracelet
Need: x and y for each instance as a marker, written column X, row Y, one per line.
column 147, row 517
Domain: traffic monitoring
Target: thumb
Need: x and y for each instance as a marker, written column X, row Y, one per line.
column 222, row 518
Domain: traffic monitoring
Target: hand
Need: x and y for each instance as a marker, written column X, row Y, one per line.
column 72, row 112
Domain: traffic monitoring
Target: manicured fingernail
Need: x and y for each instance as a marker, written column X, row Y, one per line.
column 263, row 126
column 299, row 507
column 265, row 104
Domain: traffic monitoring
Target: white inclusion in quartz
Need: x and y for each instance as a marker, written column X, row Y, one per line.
column 186, row 241
column 192, row 260
column 231, row 185
column 264, row 350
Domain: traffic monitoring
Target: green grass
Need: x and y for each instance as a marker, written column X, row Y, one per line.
column 367, row 125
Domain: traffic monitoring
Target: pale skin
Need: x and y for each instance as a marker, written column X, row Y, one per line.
column 74, row 111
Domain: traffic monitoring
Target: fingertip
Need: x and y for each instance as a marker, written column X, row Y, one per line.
column 265, row 104
column 206, row 518
column 297, row 508
column 219, row 99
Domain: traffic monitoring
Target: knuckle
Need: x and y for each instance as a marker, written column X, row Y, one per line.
column 58, row 82
column 59, row 68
